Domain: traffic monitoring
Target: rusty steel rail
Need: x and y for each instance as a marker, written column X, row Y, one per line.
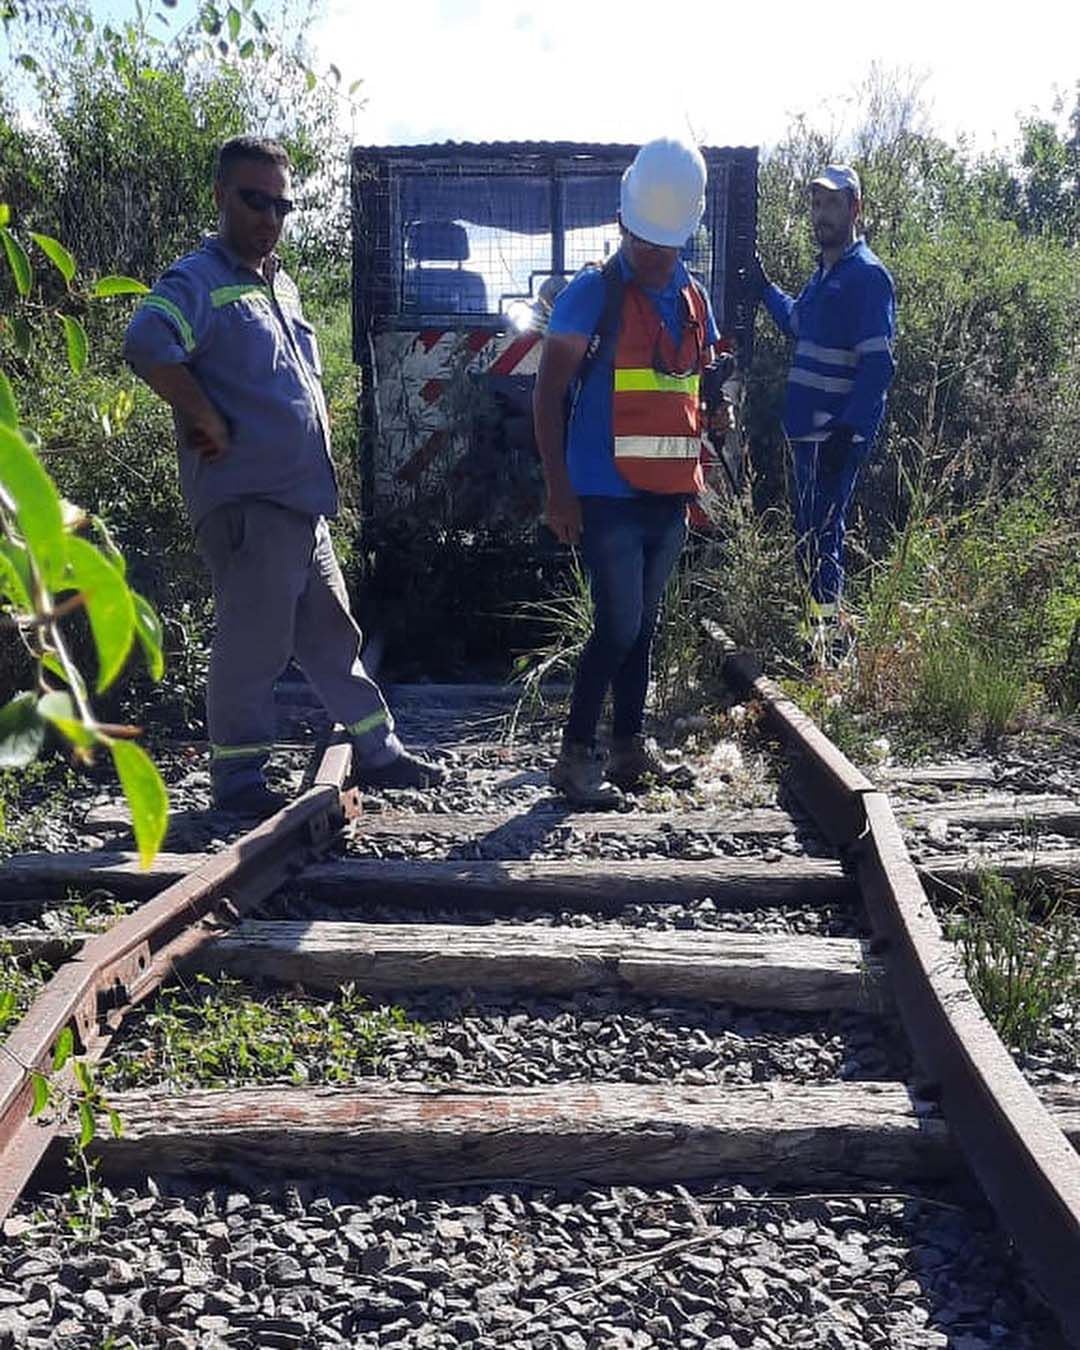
column 120, row 968
column 1024, row 1164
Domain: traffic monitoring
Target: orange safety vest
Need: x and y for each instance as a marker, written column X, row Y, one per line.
column 657, row 416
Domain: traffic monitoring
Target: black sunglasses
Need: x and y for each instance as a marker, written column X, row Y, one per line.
column 255, row 200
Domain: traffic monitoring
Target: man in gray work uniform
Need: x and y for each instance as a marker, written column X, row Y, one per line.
column 222, row 339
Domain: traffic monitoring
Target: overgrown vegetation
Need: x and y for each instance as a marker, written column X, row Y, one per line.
column 222, row 1032
column 963, row 588
column 1018, row 944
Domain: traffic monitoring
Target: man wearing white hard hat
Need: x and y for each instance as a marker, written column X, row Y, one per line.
column 626, row 346
column 843, row 322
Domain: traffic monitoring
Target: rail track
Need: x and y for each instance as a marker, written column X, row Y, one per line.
column 555, row 929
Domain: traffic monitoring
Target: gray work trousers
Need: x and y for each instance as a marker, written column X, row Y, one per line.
column 279, row 593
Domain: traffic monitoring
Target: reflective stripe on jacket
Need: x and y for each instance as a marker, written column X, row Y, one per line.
column 843, row 322
column 657, row 415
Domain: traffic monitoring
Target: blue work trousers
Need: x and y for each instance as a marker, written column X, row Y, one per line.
column 630, row 545
column 821, row 501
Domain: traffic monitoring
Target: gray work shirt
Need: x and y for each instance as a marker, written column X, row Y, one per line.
column 245, row 339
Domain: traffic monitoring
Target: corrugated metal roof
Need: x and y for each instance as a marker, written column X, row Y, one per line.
column 544, row 148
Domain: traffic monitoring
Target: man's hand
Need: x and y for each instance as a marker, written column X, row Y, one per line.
column 207, row 434
column 562, row 514
column 834, row 451
column 757, row 276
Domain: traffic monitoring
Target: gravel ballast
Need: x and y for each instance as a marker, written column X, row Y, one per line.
column 518, row 1041
column 531, row 1268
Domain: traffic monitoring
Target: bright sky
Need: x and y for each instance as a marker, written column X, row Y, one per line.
column 574, row 69
column 733, row 73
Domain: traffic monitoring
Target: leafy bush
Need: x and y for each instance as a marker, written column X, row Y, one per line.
column 1019, row 952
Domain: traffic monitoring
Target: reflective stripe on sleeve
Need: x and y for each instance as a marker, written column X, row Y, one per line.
column 376, row 719
column 832, row 356
column 628, row 380
column 657, row 447
column 829, row 383
column 171, row 311
column 227, row 295
column 874, row 344
column 218, row 752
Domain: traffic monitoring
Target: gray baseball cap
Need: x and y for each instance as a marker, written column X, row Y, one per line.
column 838, row 178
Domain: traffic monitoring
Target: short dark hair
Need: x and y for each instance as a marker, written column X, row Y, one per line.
column 249, row 147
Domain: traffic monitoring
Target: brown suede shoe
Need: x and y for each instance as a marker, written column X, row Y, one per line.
column 636, row 763
column 579, row 775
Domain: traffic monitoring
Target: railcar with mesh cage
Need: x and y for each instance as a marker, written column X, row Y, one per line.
column 458, row 253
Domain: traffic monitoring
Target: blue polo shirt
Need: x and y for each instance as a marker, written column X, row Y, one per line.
column 245, row 340
column 590, row 442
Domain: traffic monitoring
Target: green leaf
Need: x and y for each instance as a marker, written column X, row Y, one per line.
column 75, row 335
column 17, row 261
column 109, row 606
column 108, row 545
column 118, row 285
column 83, row 1076
column 150, row 633
column 310, row 79
column 9, row 412
column 65, row 1048
column 59, row 711
column 12, row 591
column 87, row 1128
column 335, row 74
column 7, row 1004
column 40, row 1085
column 5, row 214
column 146, row 796
column 21, row 732
column 115, row 1123
column 28, row 63
column 15, row 581
column 235, row 20
column 36, row 503
column 23, row 335
column 56, row 253
column 248, row 49
column 354, row 87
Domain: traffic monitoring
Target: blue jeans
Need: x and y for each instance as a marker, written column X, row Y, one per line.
column 630, row 545
column 821, row 503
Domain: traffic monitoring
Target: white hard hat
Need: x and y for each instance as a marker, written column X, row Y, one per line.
column 662, row 198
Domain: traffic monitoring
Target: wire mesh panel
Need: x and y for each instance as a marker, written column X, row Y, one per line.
column 455, row 249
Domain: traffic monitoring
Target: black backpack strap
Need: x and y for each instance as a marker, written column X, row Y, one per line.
column 607, row 325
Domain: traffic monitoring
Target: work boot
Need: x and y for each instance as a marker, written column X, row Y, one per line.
column 255, row 801
column 636, row 763
column 578, row 774
column 406, row 771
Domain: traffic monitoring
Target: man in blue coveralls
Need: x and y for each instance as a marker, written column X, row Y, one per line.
column 223, row 340
column 627, row 343
column 843, row 323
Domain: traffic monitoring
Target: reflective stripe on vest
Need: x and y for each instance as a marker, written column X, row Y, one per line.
column 656, row 416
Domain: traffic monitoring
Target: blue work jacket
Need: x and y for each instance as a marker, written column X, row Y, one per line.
column 245, row 340
column 843, row 323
